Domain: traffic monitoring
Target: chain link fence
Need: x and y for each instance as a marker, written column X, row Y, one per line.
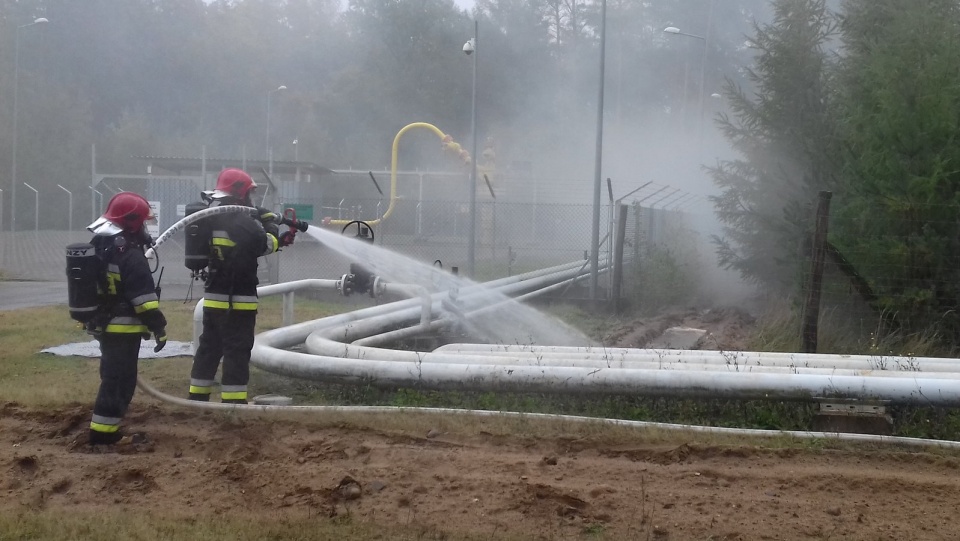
column 521, row 229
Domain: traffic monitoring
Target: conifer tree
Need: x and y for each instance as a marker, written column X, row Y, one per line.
column 783, row 134
column 899, row 96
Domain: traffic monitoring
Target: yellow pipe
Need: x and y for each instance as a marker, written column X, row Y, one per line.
column 448, row 144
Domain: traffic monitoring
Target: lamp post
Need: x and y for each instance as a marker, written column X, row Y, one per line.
column 36, row 207
column 703, row 65
column 470, row 48
column 16, row 87
column 296, row 157
column 70, row 211
column 269, row 148
column 598, row 160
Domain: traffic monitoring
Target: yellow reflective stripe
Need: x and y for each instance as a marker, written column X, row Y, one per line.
column 216, row 241
column 207, row 303
column 150, row 305
column 236, row 395
column 234, row 298
column 125, row 329
column 200, row 390
column 100, row 427
column 272, row 243
column 144, row 298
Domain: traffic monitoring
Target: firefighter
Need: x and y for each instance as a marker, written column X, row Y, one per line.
column 129, row 309
column 237, row 239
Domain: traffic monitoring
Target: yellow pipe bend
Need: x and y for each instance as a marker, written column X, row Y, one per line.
column 393, row 171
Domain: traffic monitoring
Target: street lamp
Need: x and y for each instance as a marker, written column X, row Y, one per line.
column 598, row 162
column 36, row 207
column 269, row 149
column 470, row 48
column 16, row 87
column 70, row 211
column 703, row 64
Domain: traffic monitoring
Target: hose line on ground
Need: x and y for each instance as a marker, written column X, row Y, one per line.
column 753, row 432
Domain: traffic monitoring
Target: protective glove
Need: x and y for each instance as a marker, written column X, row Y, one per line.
column 161, row 338
column 286, row 238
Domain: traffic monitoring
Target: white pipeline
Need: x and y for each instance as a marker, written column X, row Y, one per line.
column 739, row 358
column 332, row 357
column 742, row 361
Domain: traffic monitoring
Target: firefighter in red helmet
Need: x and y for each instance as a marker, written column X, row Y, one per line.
column 129, row 309
column 230, row 292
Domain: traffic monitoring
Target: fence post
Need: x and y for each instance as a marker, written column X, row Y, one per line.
column 618, row 257
column 811, row 305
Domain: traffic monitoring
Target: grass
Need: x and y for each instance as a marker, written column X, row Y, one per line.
column 42, row 380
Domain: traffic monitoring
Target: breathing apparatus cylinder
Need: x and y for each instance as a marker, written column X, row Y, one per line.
column 196, row 251
column 83, row 275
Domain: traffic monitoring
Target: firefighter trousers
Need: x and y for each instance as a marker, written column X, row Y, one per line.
column 119, row 355
column 227, row 334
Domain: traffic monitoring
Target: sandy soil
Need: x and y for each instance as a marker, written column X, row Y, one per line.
column 557, row 487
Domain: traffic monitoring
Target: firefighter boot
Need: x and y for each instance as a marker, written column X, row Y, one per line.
column 104, row 438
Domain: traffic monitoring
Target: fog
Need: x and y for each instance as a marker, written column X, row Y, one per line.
column 186, row 78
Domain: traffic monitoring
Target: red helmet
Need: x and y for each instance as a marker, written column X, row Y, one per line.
column 126, row 211
column 234, row 183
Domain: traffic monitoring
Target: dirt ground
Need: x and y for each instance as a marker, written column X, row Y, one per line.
column 465, row 479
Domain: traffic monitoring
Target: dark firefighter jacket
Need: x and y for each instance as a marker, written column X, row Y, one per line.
column 129, row 302
column 237, row 240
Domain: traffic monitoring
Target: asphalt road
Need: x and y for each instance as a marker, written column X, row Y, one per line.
column 24, row 294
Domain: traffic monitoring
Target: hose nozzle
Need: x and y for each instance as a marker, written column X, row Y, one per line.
column 290, row 220
column 296, row 224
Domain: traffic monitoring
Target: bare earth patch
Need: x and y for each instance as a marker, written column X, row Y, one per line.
column 727, row 328
column 474, row 482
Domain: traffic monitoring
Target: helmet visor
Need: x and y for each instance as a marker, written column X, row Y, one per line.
column 103, row 226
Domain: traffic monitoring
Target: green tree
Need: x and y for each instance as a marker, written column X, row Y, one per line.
column 900, row 103
column 785, row 136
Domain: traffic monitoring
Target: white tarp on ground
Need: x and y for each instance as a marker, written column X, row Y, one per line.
column 92, row 349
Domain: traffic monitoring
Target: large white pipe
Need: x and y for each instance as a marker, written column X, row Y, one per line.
column 335, row 341
column 343, row 362
column 492, row 377
column 742, row 360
